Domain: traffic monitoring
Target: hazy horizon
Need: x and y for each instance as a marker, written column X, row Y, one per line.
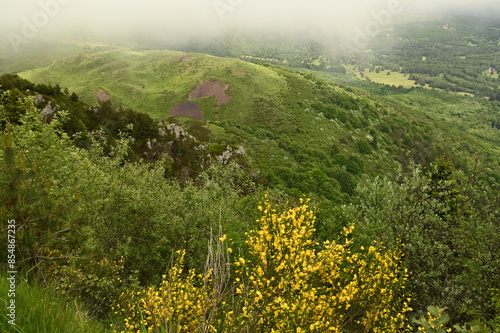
column 22, row 22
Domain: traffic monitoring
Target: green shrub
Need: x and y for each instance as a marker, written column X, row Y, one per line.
column 364, row 147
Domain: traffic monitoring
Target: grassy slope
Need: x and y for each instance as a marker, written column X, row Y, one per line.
column 36, row 53
column 154, row 81
column 42, row 51
column 41, row 310
column 274, row 112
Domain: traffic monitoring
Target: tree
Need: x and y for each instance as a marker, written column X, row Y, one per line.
column 37, row 188
column 448, row 223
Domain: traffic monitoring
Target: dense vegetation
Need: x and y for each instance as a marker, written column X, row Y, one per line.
column 84, row 190
column 151, row 222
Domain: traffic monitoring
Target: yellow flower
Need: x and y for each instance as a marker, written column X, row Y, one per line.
column 290, row 275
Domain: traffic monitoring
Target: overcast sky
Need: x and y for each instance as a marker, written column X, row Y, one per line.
column 30, row 19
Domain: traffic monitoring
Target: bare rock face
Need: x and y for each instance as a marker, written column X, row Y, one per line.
column 38, row 99
column 179, row 132
column 228, row 154
column 49, row 110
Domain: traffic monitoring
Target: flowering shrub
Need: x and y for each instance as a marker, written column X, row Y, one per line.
column 287, row 283
column 179, row 304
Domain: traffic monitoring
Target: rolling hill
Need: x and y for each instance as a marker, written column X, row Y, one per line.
column 300, row 133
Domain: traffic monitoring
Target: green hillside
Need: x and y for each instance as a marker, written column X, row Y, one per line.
column 106, row 194
column 300, row 132
column 154, row 81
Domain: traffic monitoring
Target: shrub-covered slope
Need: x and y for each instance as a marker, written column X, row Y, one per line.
column 298, row 132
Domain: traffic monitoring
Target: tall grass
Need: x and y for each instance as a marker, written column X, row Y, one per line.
column 40, row 310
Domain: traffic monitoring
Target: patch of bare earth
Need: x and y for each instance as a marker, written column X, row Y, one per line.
column 183, row 57
column 187, row 109
column 102, row 96
column 209, row 89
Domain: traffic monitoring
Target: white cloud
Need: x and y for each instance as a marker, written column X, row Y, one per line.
column 199, row 18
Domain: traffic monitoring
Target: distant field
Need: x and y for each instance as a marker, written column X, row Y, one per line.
column 395, row 78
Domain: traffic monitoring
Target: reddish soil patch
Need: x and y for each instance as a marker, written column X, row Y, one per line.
column 187, row 109
column 102, row 96
column 183, row 57
column 209, row 89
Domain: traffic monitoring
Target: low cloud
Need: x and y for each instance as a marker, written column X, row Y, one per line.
column 23, row 21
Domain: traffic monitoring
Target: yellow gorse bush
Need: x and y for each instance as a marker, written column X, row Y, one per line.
column 293, row 284
column 181, row 303
column 287, row 283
